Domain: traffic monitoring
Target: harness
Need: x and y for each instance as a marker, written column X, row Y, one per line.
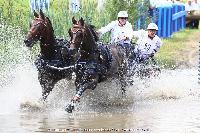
column 56, row 64
column 105, row 54
column 91, row 60
column 74, row 32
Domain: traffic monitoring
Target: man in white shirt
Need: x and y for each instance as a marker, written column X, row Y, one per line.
column 148, row 42
column 189, row 8
column 120, row 29
column 196, row 5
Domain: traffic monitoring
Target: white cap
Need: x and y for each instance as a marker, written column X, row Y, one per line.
column 152, row 26
column 122, row 14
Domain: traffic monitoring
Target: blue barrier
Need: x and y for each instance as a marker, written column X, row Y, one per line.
column 159, row 23
column 170, row 18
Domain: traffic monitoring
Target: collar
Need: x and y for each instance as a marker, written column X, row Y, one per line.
column 151, row 37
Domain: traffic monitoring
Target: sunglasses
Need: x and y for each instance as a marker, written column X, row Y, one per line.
column 123, row 18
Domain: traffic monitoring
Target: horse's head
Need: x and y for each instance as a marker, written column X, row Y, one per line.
column 39, row 28
column 82, row 35
column 76, row 33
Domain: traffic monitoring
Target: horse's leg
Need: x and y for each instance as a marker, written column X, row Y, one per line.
column 118, row 56
column 122, row 73
column 88, row 84
column 47, row 83
column 82, row 83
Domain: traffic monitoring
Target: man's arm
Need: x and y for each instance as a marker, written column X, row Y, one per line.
column 107, row 28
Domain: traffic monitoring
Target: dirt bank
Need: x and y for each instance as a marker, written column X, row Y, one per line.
column 188, row 56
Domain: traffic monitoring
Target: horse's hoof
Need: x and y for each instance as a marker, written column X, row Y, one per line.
column 69, row 108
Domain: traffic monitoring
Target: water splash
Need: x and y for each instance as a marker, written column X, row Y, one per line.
column 18, row 76
column 19, row 83
column 170, row 84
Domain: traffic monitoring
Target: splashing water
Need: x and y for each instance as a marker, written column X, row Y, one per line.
column 18, row 76
column 170, row 84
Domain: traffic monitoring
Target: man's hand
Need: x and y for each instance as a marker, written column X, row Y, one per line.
column 126, row 38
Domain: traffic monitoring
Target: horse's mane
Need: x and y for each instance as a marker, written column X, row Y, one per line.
column 94, row 33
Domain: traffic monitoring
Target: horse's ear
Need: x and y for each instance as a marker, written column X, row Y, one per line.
column 74, row 20
column 49, row 20
column 81, row 21
column 35, row 14
column 42, row 15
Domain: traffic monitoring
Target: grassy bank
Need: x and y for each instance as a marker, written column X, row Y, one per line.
column 173, row 47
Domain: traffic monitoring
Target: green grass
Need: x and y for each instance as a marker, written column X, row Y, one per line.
column 169, row 52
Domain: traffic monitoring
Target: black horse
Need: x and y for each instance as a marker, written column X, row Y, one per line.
column 95, row 63
column 54, row 62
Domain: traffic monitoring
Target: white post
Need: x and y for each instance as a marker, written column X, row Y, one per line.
column 100, row 4
column 39, row 4
column 74, row 5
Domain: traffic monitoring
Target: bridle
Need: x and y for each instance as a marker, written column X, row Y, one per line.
column 74, row 32
column 40, row 21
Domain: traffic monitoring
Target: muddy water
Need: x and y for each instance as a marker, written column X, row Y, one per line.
column 169, row 103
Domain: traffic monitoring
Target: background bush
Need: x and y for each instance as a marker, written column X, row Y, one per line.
column 18, row 13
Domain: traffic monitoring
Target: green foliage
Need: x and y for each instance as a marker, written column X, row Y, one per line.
column 18, row 12
column 122, row 5
column 15, row 12
column 11, row 50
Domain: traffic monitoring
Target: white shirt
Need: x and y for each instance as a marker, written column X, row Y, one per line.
column 145, row 45
column 118, row 32
column 189, row 7
column 196, row 6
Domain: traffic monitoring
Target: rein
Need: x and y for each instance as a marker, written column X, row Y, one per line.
column 83, row 40
column 60, row 68
column 74, row 32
